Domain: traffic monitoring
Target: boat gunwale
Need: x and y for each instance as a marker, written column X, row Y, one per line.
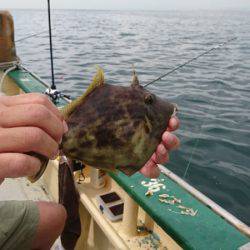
column 234, row 221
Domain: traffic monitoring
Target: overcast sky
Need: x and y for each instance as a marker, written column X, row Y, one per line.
column 128, row 4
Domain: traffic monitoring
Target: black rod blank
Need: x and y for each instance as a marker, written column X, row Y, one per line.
column 53, row 85
column 189, row 61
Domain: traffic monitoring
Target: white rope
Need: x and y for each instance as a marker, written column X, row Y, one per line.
column 6, row 73
column 5, row 65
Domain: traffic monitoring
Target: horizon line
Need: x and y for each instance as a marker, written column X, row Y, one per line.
column 158, row 10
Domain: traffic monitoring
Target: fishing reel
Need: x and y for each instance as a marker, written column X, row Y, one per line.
column 55, row 95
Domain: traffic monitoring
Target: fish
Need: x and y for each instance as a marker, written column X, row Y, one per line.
column 115, row 127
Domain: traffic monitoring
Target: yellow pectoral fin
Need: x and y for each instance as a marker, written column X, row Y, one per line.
column 97, row 81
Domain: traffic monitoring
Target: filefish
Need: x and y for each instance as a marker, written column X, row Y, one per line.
column 115, row 127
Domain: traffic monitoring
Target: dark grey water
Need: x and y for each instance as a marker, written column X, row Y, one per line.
column 213, row 93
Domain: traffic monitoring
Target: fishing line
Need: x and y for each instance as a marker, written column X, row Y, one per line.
column 198, row 137
column 189, row 61
column 211, row 103
column 205, row 120
column 29, row 36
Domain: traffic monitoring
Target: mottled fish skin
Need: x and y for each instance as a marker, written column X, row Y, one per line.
column 117, row 127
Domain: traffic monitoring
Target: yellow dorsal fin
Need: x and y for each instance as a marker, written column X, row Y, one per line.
column 135, row 80
column 97, row 81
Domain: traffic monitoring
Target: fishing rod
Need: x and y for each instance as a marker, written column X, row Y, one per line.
column 52, row 92
column 191, row 60
column 53, row 86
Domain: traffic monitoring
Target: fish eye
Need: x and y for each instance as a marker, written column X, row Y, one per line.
column 149, row 98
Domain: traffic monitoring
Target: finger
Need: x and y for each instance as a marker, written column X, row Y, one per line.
column 13, row 165
column 31, row 98
column 173, row 124
column 34, row 115
column 150, row 170
column 27, row 139
column 161, row 154
column 170, row 141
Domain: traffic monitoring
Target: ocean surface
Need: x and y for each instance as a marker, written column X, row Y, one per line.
column 213, row 93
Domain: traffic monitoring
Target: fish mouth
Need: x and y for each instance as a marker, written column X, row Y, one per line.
column 176, row 109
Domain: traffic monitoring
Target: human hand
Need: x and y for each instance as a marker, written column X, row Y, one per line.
column 28, row 123
column 161, row 156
